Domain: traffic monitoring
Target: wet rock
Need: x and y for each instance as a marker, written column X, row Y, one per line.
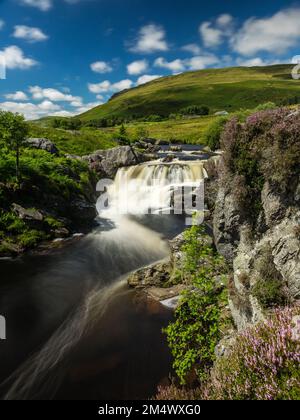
column 176, row 149
column 107, row 162
column 61, row 233
column 169, row 158
column 42, row 144
column 154, row 275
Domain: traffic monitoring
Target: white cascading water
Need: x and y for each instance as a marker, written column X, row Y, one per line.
column 147, row 188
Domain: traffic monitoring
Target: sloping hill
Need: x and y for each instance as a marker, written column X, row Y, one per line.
column 220, row 89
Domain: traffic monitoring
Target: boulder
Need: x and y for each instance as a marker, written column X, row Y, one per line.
column 169, row 158
column 28, row 214
column 107, row 162
column 155, row 275
column 42, row 144
column 82, row 211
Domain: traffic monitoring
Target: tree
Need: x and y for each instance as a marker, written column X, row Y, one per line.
column 13, row 131
column 125, row 141
column 141, row 133
column 123, row 131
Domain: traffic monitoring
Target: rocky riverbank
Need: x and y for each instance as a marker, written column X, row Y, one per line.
column 58, row 197
column 253, row 198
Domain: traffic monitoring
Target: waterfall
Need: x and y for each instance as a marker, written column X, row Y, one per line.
column 151, row 188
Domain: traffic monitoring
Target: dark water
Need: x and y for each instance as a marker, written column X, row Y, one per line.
column 74, row 328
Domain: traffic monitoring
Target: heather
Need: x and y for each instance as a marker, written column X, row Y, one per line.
column 265, row 148
column 262, row 365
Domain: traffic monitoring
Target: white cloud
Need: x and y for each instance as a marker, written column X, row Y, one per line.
column 100, row 97
column 14, row 58
column 212, row 37
column 43, row 5
column 54, row 95
column 214, row 33
column 151, row 39
column 146, row 79
column 86, row 107
column 122, row 85
column 101, row 67
column 29, row 110
column 192, row 48
column 255, row 62
column 107, row 86
column 100, row 87
column 224, row 20
column 29, row 34
column 195, row 63
column 137, row 67
column 202, row 61
column 175, row 66
column 17, row 96
column 275, row 34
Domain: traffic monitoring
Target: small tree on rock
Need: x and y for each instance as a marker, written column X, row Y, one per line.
column 13, row 132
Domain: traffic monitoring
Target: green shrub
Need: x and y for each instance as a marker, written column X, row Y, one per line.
column 266, row 106
column 195, row 110
column 193, row 335
column 212, row 134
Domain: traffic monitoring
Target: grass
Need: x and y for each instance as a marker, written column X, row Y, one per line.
column 221, row 89
column 187, row 130
column 82, row 142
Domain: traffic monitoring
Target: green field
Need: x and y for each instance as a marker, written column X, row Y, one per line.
column 227, row 89
column 186, row 130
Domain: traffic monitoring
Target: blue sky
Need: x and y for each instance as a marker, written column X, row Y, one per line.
column 65, row 56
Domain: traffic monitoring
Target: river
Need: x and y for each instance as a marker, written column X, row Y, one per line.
column 74, row 328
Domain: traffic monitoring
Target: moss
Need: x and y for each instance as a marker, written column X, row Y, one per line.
column 31, row 238
column 269, row 288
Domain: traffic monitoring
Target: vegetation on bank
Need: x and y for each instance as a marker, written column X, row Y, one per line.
column 260, row 149
column 44, row 185
column 263, row 149
column 199, row 319
column 262, row 364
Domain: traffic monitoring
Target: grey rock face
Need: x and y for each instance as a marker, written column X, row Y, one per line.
column 277, row 233
column 226, row 224
column 107, row 162
column 42, row 144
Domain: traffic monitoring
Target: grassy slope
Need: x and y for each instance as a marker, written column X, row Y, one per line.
column 79, row 143
column 189, row 131
column 229, row 89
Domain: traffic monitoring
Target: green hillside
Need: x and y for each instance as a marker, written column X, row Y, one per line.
column 221, row 89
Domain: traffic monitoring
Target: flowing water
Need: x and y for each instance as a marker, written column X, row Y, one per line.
column 74, row 328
